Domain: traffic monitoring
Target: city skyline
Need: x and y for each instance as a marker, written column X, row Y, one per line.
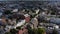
column 29, row 0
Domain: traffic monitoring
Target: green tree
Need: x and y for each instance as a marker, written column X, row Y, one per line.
column 30, row 30
column 8, row 33
column 35, row 31
column 13, row 31
column 18, row 28
column 41, row 31
column 55, row 31
column 54, row 10
column 7, row 12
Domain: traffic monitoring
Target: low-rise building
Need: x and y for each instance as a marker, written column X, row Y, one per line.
column 27, row 18
column 34, row 22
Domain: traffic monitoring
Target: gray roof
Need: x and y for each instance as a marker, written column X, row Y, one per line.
column 55, row 20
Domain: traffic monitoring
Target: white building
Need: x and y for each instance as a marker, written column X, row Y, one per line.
column 34, row 21
column 20, row 23
column 15, row 10
column 37, row 11
column 17, row 25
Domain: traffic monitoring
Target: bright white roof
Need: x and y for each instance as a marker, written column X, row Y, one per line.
column 26, row 15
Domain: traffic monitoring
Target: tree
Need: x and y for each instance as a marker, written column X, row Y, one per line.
column 18, row 28
column 30, row 30
column 55, row 31
column 13, row 31
column 8, row 33
column 54, row 10
column 7, row 12
column 35, row 31
column 41, row 31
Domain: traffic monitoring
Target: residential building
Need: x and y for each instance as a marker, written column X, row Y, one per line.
column 27, row 18
column 34, row 21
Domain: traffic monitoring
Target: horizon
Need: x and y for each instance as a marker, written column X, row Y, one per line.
column 29, row 0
